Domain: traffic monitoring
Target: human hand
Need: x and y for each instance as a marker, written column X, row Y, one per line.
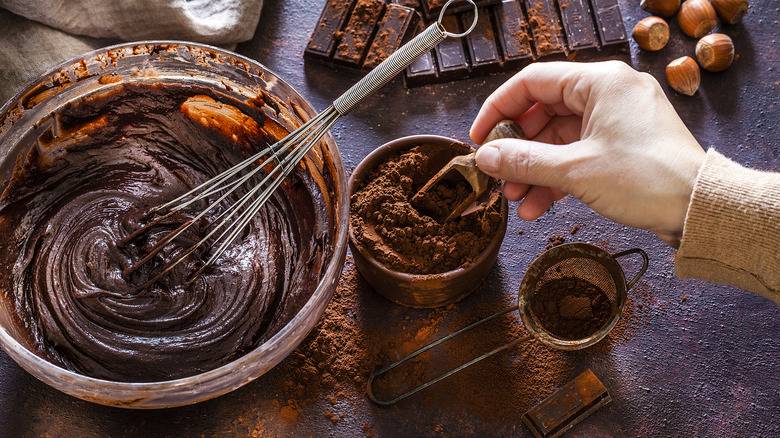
column 602, row 132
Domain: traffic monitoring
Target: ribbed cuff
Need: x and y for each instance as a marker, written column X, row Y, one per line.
column 732, row 228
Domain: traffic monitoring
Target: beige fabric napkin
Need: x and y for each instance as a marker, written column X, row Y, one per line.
column 36, row 35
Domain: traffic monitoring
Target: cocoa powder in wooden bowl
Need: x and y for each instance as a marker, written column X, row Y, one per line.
column 406, row 255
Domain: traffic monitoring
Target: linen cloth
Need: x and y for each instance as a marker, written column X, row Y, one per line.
column 36, row 35
column 732, row 229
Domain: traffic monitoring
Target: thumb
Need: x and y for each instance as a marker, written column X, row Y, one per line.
column 527, row 162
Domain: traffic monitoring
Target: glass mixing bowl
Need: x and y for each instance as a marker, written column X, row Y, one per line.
column 25, row 115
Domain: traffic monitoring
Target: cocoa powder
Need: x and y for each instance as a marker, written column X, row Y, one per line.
column 571, row 308
column 385, row 223
column 331, row 367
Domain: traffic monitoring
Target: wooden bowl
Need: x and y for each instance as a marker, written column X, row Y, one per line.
column 421, row 290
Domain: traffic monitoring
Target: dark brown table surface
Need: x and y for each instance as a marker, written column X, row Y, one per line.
column 702, row 360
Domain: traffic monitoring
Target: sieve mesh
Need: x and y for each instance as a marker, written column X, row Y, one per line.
column 586, row 269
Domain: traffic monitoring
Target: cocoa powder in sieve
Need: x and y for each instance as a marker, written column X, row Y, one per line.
column 571, row 308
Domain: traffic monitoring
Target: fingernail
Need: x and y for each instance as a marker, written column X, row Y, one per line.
column 488, row 158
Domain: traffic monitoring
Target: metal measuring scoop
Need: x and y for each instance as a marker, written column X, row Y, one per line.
column 572, row 260
column 462, row 167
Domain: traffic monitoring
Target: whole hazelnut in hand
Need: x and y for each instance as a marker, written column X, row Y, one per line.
column 683, row 75
column 715, row 52
column 730, row 11
column 697, row 18
column 652, row 33
column 662, row 8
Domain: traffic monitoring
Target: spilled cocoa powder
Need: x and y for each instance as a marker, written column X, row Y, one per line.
column 571, row 308
column 385, row 223
column 330, row 369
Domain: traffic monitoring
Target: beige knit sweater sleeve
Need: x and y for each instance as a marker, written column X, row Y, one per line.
column 732, row 230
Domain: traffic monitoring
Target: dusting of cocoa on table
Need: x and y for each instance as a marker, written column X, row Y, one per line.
column 331, row 367
column 555, row 240
column 385, row 223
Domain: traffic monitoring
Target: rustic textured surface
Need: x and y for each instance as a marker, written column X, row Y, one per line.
column 704, row 362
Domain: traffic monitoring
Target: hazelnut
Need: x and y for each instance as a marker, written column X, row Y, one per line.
column 683, row 75
column 730, row 11
column 715, row 52
column 652, row 33
column 697, row 18
column 662, row 8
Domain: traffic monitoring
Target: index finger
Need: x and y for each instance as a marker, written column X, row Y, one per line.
column 551, row 83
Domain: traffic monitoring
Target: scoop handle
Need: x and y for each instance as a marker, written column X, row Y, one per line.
column 505, row 129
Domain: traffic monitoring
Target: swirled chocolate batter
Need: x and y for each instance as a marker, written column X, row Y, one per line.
column 84, row 185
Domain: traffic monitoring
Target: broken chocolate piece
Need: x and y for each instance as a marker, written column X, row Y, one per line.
column 450, row 56
column 512, row 33
column 567, row 406
column 432, row 8
column 545, row 27
column 395, row 29
column 578, row 24
column 609, row 22
column 358, row 33
column 327, row 33
column 481, row 43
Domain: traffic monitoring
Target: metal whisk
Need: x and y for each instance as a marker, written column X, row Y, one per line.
column 282, row 157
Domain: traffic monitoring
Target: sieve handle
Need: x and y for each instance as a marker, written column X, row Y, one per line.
column 645, row 262
column 448, row 373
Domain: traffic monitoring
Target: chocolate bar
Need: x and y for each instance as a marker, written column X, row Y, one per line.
column 450, row 56
column 513, row 33
column 391, row 34
column 358, row 33
column 481, row 43
column 545, row 27
column 432, row 8
column 508, row 34
column 322, row 41
column 567, row 406
column 609, row 22
column 578, row 24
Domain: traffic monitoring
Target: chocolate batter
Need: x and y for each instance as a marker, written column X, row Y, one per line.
column 85, row 185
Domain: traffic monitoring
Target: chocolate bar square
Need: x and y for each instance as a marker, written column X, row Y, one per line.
column 358, row 33
column 481, row 42
column 609, row 22
column 415, row 4
column 324, row 37
column 396, row 28
column 513, row 33
column 450, row 55
column 578, row 24
column 545, row 27
column 432, row 8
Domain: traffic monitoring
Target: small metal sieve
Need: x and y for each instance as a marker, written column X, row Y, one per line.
column 581, row 261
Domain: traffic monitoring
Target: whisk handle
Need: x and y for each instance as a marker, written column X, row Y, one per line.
column 390, row 67
column 397, row 62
